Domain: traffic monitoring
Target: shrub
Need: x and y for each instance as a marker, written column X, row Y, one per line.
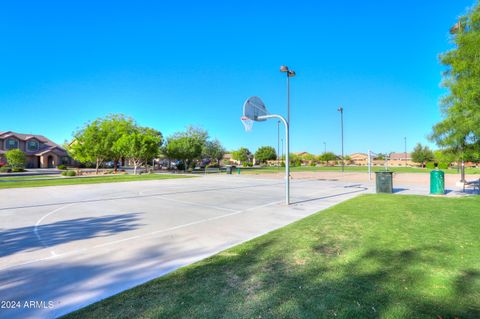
column 62, row 167
column 443, row 165
column 69, row 173
column 250, row 164
column 283, row 164
column 16, row 158
column 180, row 166
column 17, row 170
column 5, row 169
column 430, row 165
column 313, row 164
column 244, row 164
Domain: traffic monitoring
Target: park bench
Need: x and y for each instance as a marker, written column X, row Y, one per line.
column 473, row 184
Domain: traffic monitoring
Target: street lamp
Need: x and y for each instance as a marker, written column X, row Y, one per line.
column 340, row 109
column 290, row 74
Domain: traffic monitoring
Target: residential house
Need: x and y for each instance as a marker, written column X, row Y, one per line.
column 400, row 159
column 40, row 151
column 359, row 158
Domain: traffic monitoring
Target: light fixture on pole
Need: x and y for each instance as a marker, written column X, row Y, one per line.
column 290, row 74
column 340, row 109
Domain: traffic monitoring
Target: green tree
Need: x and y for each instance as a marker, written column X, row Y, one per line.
column 213, row 150
column 444, row 156
column 115, row 127
column 87, row 146
column 16, row 159
column 140, row 146
column 95, row 141
column 327, row 157
column 242, row 155
column 186, row 146
column 265, row 153
column 422, row 154
column 460, row 128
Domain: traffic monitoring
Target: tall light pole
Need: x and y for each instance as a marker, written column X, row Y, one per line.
column 282, row 148
column 340, row 109
column 290, row 74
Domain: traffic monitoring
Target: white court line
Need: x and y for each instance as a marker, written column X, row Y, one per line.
column 76, row 251
column 35, row 229
column 197, row 204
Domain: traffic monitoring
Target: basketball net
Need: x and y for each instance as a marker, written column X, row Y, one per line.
column 247, row 123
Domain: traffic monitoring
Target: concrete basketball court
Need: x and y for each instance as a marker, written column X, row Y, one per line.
column 65, row 247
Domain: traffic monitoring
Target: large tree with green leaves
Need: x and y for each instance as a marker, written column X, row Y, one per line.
column 115, row 126
column 213, row 150
column 95, row 141
column 459, row 131
column 265, row 153
column 186, row 146
column 243, row 154
column 422, row 154
column 140, row 146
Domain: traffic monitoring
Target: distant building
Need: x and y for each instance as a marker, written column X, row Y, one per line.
column 40, row 151
column 400, row 156
column 359, row 158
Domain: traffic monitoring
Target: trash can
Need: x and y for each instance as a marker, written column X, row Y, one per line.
column 384, row 181
column 437, row 182
column 238, row 170
column 229, row 170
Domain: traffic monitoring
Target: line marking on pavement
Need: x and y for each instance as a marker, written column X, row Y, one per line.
column 76, row 251
column 35, row 229
column 197, row 204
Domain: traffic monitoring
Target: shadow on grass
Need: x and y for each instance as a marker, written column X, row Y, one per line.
column 263, row 282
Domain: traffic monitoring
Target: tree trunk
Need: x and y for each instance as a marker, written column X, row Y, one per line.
column 115, row 166
column 96, row 166
column 135, row 168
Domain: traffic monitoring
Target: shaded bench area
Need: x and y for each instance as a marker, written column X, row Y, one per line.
column 473, row 185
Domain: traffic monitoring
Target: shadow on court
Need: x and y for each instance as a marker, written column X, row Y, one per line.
column 25, row 239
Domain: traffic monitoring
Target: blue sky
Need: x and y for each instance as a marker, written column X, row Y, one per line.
column 173, row 63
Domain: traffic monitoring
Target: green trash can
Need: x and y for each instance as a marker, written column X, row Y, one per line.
column 384, row 182
column 238, row 170
column 437, row 182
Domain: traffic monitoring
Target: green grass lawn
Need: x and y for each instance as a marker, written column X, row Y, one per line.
column 376, row 256
column 22, row 181
column 23, row 177
column 349, row 169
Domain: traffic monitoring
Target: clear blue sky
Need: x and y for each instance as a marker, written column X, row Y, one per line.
column 173, row 63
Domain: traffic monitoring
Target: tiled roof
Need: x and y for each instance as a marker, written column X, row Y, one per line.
column 399, row 156
column 25, row 137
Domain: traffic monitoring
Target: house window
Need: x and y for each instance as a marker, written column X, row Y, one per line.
column 11, row 144
column 32, row 145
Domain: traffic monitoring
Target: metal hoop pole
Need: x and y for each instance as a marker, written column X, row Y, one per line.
column 287, row 151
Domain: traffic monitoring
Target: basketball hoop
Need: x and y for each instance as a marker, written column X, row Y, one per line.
column 254, row 110
column 247, row 123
